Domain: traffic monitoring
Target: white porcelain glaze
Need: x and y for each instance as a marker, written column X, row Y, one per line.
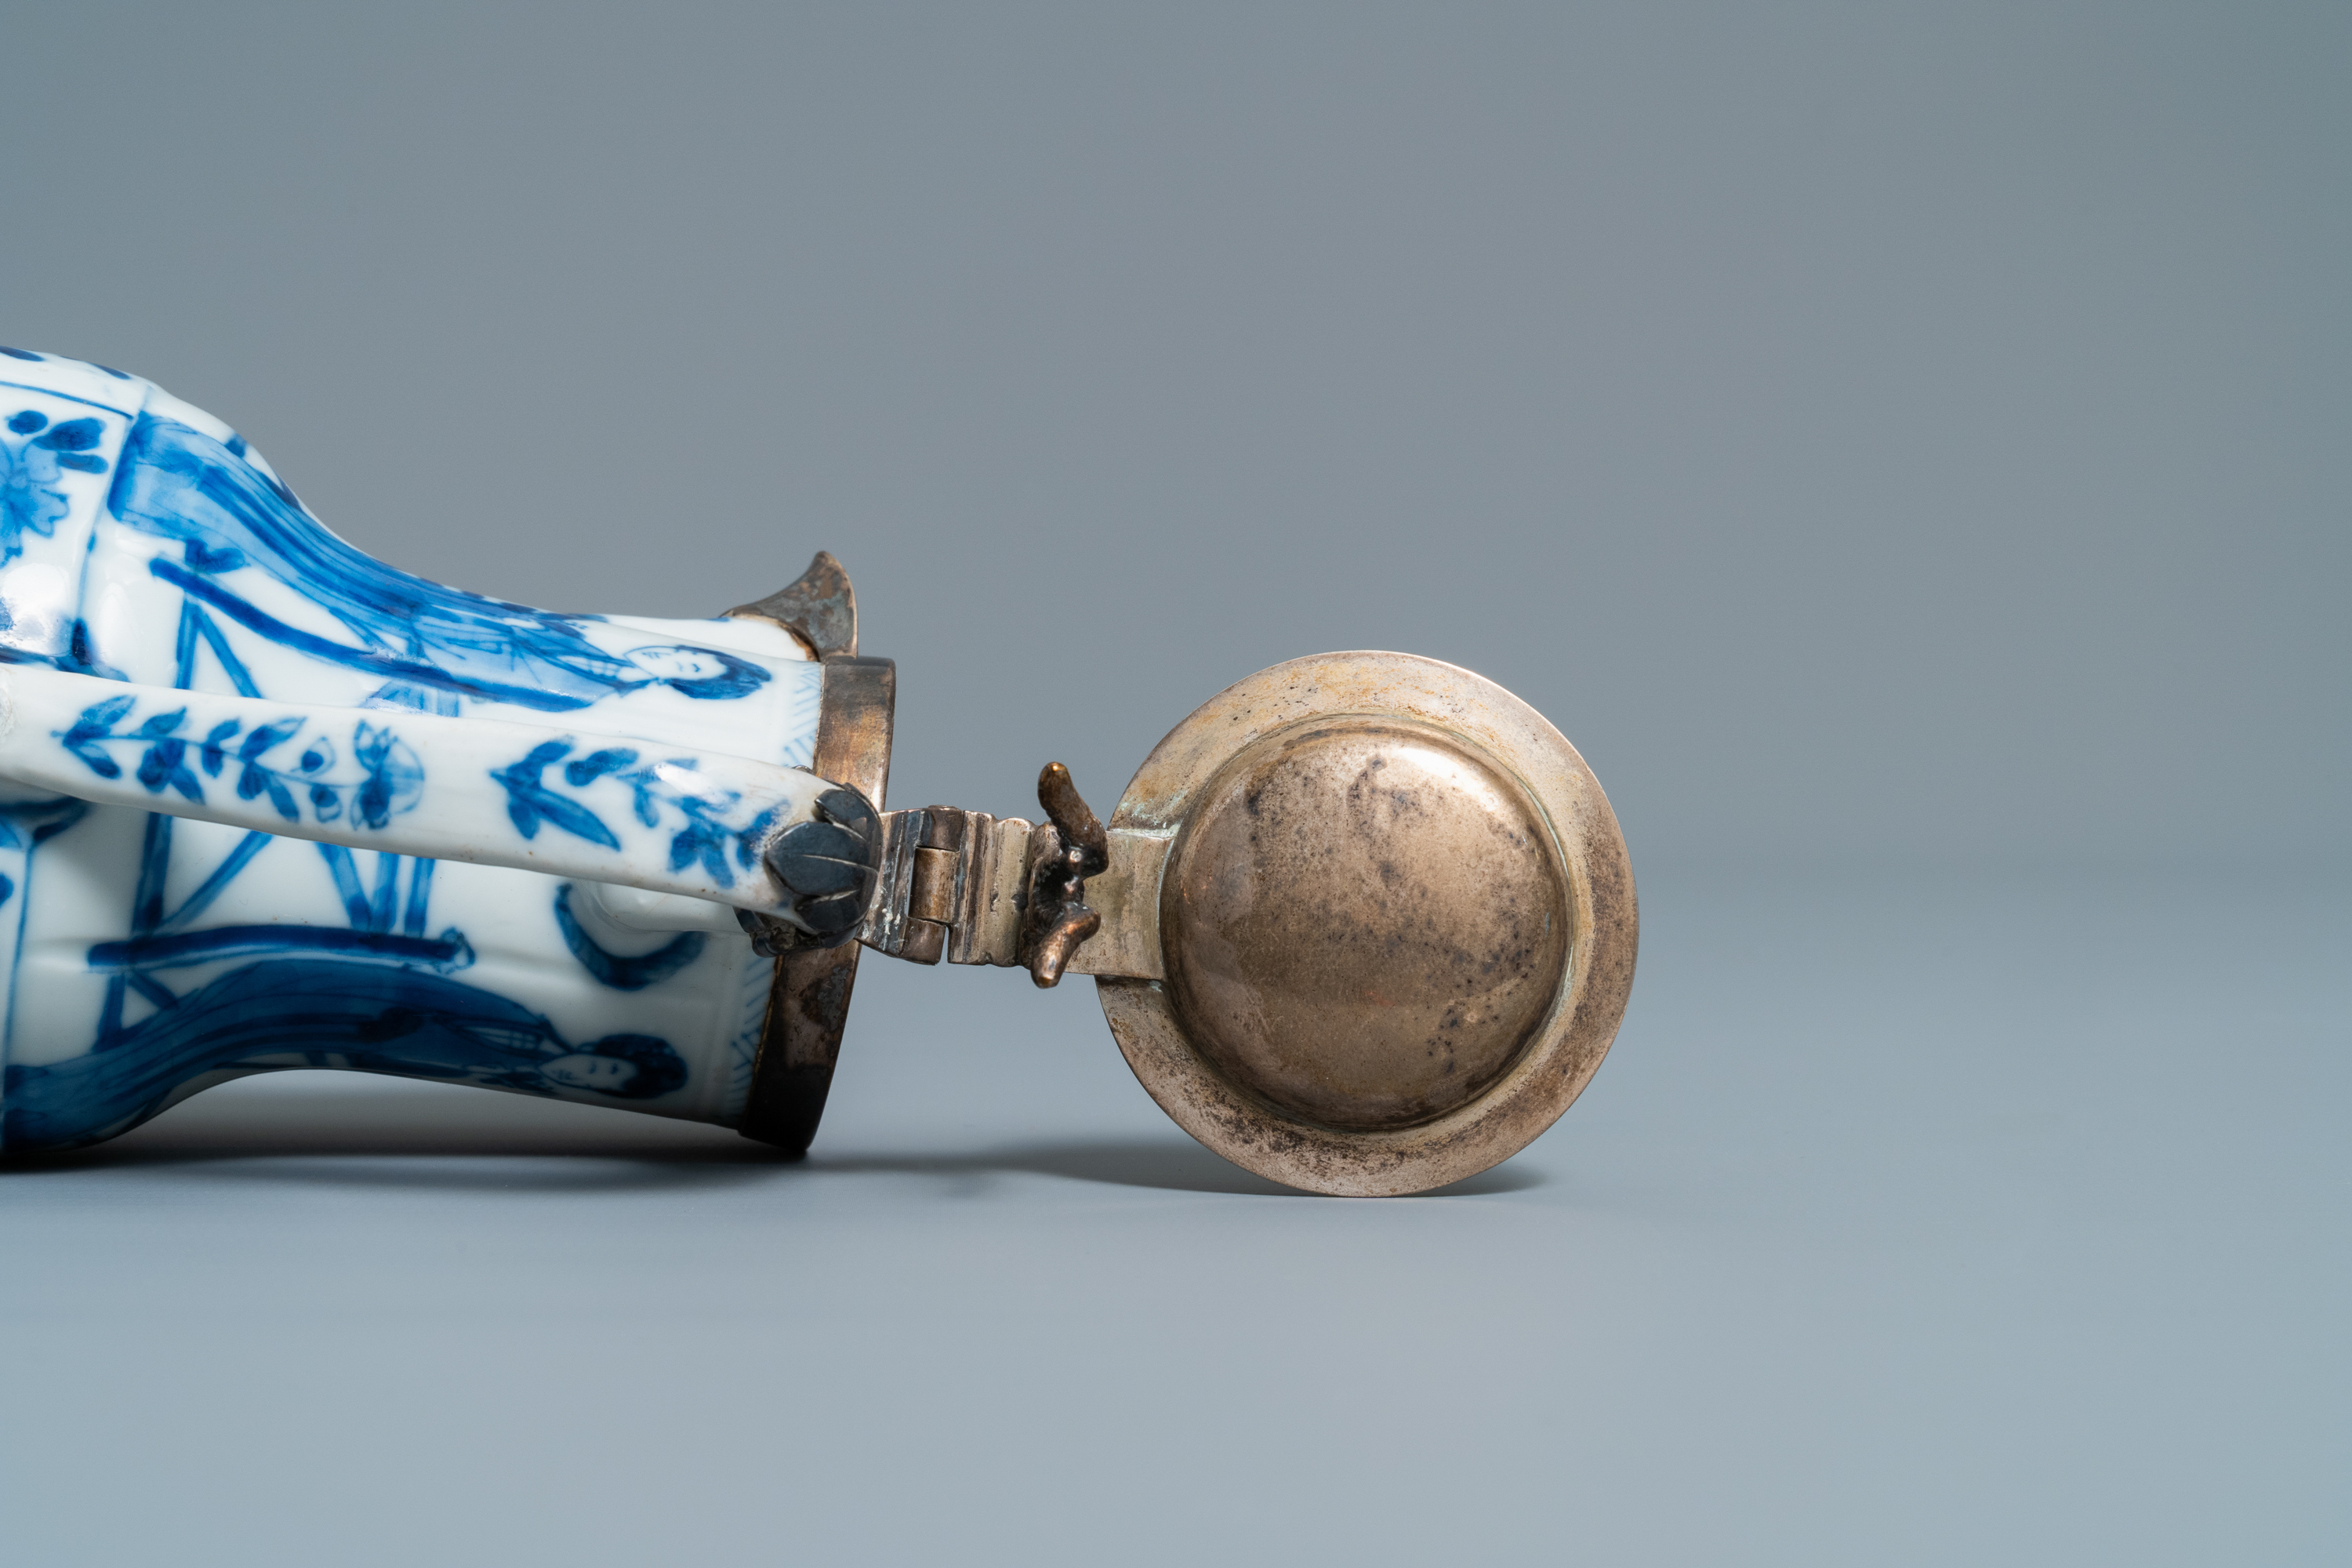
column 181, row 635
column 493, row 793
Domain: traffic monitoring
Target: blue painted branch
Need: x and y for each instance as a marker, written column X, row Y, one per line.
column 657, row 816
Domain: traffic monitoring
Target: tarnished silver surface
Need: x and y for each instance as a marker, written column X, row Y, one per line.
column 1055, row 918
column 819, row 607
column 1334, row 943
column 1362, row 921
column 886, row 922
column 1127, row 894
column 972, row 888
column 992, row 869
column 808, row 1002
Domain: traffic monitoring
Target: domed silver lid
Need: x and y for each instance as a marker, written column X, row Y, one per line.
column 1395, row 924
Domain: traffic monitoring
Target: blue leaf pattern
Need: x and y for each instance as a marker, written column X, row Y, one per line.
column 393, row 778
column 703, row 836
column 214, row 756
column 95, row 722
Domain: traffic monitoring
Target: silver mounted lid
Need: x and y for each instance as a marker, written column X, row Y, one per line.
column 1363, row 923
column 1396, row 924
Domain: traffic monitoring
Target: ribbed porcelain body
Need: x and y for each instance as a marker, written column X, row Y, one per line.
column 144, row 957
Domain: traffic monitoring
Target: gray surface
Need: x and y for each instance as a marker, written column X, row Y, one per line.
column 1902, row 448
column 1910, row 433
column 1921, row 1223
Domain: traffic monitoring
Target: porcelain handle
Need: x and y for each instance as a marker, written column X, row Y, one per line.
column 754, row 835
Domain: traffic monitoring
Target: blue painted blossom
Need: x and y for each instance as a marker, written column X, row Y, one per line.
column 27, row 499
column 396, row 777
column 30, row 472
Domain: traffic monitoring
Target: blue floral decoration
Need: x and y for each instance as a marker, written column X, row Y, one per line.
column 702, row 837
column 530, row 803
column 30, row 471
column 394, row 777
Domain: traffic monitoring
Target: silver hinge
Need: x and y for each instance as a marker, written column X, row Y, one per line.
column 970, row 887
column 951, row 887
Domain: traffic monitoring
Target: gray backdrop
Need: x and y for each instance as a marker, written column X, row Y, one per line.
column 1906, row 448
column 1871, row 432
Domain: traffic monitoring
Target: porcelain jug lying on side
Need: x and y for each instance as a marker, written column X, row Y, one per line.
column 268, row 803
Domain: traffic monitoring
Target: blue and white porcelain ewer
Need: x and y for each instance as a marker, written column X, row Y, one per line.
column 1362, row 923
